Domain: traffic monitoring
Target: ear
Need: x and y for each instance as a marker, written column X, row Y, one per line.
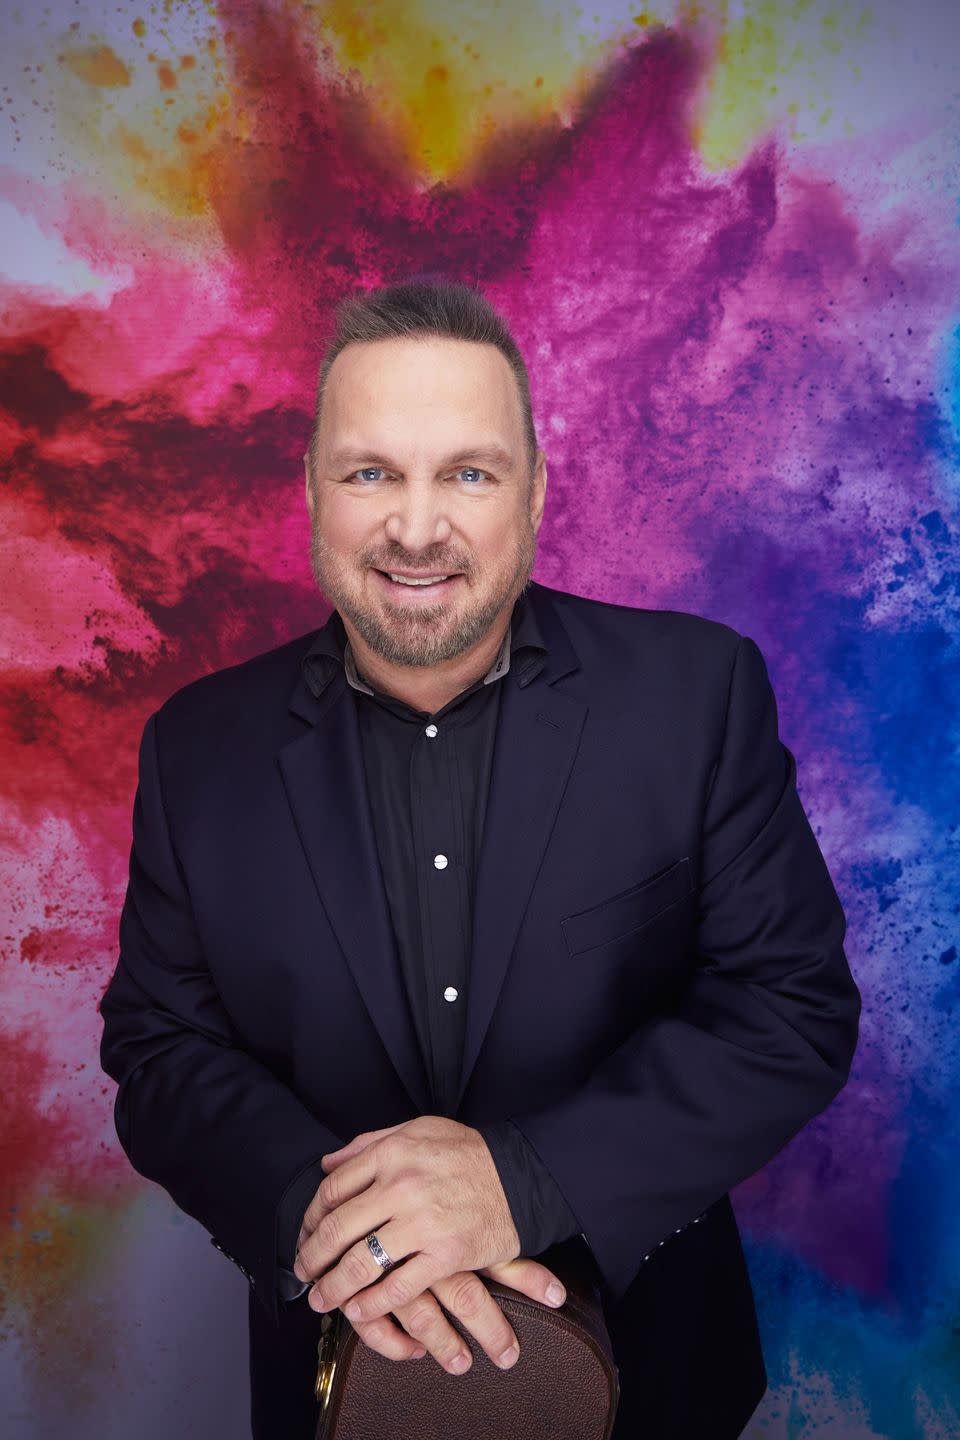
column 538, row 491
column 309, row 486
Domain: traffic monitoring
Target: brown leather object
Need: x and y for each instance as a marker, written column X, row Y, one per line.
column 564, row 1386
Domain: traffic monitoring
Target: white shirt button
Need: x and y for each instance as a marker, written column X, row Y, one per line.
column 440, row 861
column 431, row 730
column 450, row 993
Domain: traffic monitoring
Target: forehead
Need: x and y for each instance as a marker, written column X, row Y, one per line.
column 417, row 383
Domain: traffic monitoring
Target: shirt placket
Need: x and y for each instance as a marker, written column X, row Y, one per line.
column 441, row 886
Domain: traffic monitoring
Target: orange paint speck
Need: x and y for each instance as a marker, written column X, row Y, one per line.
column 97, row 65
column 187, row 62
column 168, row 80
column 139, row 28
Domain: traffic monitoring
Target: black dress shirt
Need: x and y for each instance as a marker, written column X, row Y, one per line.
column 427, row 777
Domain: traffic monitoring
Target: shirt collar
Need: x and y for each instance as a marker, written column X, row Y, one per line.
column 523, row 649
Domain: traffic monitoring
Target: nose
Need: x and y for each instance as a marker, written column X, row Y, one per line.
column 418, row 519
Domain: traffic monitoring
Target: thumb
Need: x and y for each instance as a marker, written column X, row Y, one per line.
column 530, row 1278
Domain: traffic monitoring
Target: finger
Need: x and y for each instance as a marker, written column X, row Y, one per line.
column 330, row 1162
column 342, row 1231
column 348, row 1179
column 358, row 1143
column 386, row 1337
column 530, row 1278
column 399, row 1286
column 465, row 1296
column 425, row 1321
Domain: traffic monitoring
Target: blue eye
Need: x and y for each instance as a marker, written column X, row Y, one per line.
column 371, row 473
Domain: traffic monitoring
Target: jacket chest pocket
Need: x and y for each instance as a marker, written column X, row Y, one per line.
column 624, row 914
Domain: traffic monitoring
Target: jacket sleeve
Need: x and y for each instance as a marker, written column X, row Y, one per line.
column 194, row 1111
column 763, row 1033
column 291, row 1211
column 537, row 1204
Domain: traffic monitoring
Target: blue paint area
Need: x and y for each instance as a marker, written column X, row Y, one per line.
column 906, row 685
column 874, row 1354
column 922, row 1209
column 880, row 877
column 888, row 696
column 951, row 407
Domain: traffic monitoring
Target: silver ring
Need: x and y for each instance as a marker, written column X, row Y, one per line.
column 377, row 1251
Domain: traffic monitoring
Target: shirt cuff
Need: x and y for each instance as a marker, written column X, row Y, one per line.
column 538, row 1206
column 290, row 1212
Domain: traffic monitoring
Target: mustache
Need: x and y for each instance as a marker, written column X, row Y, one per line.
column 435, row 567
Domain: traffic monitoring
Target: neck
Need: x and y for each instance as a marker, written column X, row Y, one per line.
column 426, row 687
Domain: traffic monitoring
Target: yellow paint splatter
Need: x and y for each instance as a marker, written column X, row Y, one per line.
column 448, row 82
column 445, row 82
column 778, row 56
column 157, row 139
column 97, row 65
column 178, row 176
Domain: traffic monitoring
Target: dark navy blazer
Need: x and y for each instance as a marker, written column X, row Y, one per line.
column 659, row 995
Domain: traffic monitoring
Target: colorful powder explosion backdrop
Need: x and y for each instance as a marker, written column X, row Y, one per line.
column 726, row 235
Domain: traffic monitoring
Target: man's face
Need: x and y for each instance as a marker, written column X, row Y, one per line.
column 422, row 467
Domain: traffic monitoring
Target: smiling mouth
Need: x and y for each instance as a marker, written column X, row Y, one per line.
column 411, row 586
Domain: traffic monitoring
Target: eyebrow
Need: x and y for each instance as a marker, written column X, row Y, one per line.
column 489, row 454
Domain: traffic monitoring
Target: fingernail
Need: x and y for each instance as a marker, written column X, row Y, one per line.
column 418, row 1354
column 556, row 1294
column 299, row 1269
column 352, row 1311
column 459, row 1364
column 510, row 1357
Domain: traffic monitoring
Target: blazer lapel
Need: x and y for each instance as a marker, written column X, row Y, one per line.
column 537, row 740
column 326, row 786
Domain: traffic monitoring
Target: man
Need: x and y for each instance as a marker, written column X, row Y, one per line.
column 483, row 921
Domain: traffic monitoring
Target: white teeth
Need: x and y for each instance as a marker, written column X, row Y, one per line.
column 404, row 580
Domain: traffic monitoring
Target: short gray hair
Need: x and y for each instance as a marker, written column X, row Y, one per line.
column 426, row 306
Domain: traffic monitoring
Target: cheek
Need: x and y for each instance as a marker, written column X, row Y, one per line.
column 344, row 530
column 492, row 536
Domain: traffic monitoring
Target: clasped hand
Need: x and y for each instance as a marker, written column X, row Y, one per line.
column 431, row 1191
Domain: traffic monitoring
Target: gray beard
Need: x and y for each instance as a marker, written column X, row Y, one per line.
column 412, row 640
